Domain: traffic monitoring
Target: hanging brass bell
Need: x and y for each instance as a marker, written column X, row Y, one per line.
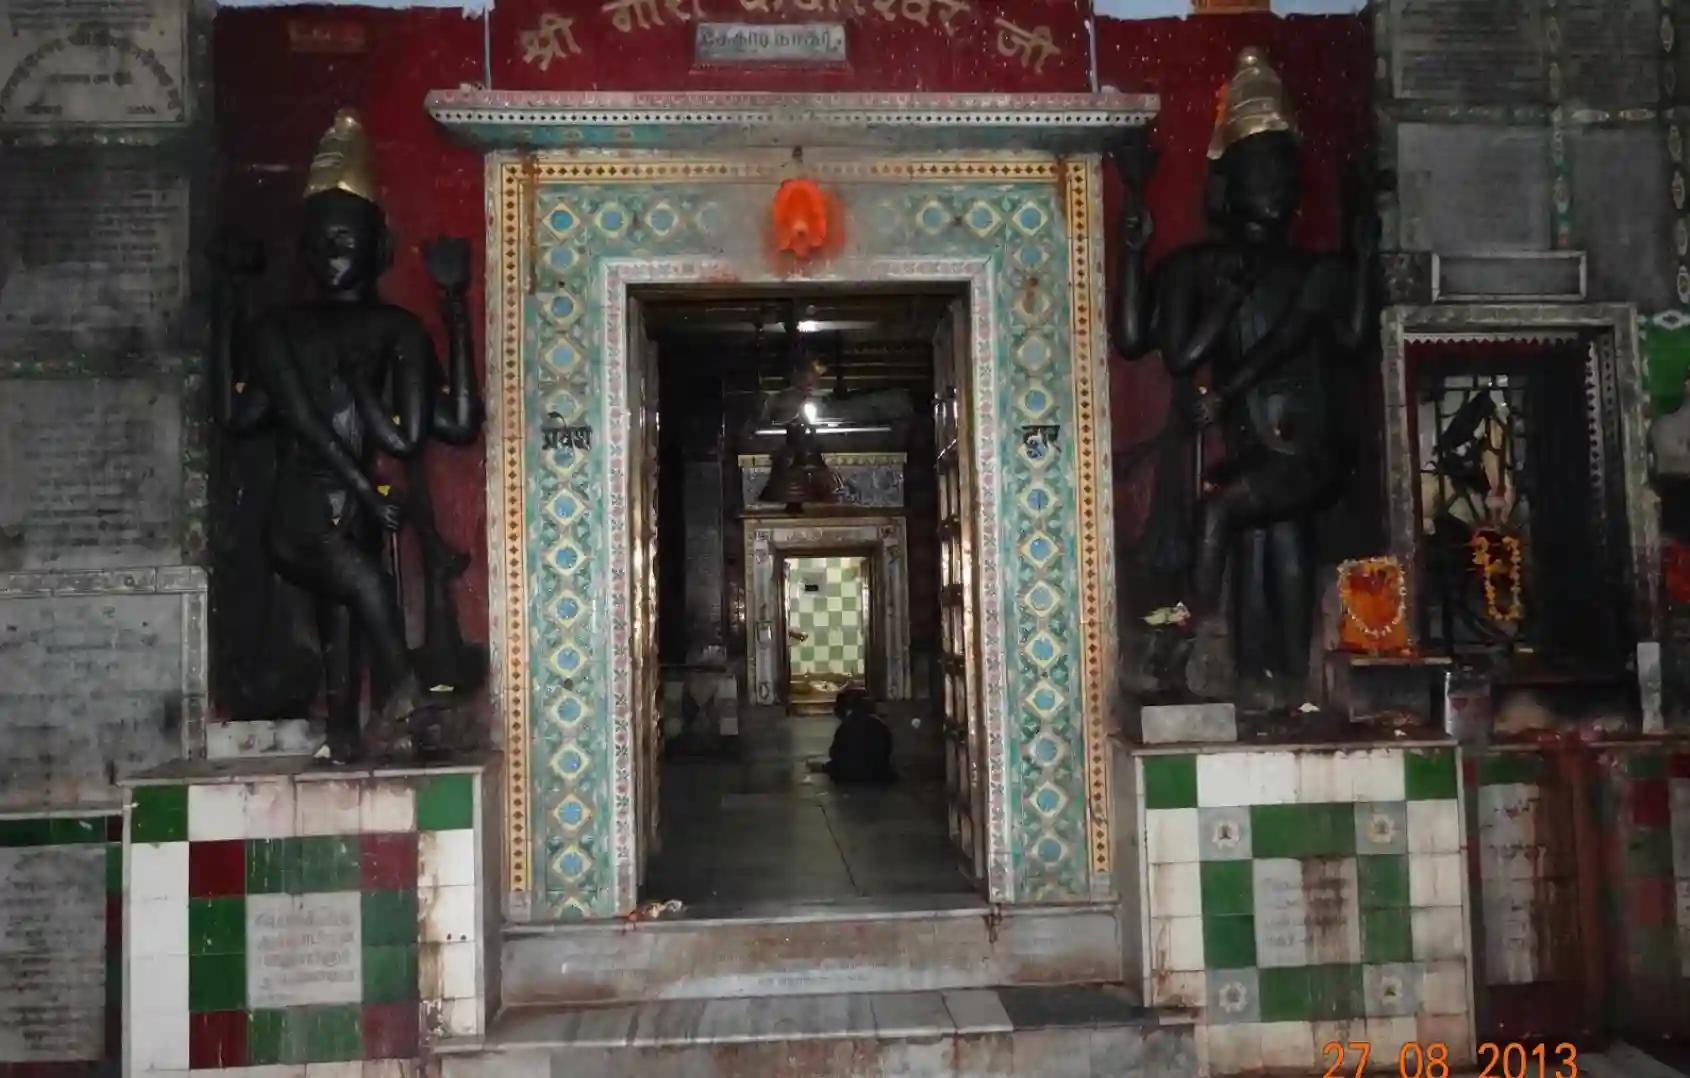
column 788, row 482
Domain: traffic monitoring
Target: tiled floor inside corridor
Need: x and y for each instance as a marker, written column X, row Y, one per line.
column 741, row 836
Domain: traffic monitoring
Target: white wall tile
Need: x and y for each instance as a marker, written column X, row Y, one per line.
column 460, row 1017
column 1176, row 943
column 217, row 811
column 1434, row 826
column 160, row 983
column 1171, row 835
column 451, row 966
column 1434, row 879
column 326, row 808
column 269, row 810
column 158, row 870
column 1273, row 778
column 1438, row 933
column 157, row 926
column 160, row 1043
column 387, row 806
column 1455, row 1033
column 1282, row 912
column 1235, row 1049
column 1377, row 775
column 348, row 1069
column 447, row 858
column 1179, row 989
column 1321, row 779
column 1223, row 779
column 1289, row 1045
column 1443, row 988
column 446, row 914
column 1388, row 1035
column 1176, row 890
column 1332, row 1042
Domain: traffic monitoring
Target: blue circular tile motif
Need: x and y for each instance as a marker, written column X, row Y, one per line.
column 1049, row 850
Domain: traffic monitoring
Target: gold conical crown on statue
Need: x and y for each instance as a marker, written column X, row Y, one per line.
column 344, row 161
column 1252, row 102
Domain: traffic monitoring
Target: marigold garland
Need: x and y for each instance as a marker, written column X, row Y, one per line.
column 1483, row 544
column 1376, row 571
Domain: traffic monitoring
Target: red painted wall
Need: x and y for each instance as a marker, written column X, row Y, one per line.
column 274, row 100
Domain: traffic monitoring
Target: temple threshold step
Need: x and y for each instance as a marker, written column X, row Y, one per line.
column 1072, row 1031
column 876, row 946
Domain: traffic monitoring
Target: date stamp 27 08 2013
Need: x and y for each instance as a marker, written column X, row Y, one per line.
column 1354, row 1059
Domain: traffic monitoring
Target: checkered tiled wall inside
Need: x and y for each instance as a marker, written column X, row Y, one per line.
column 302, row 920
column 831, row 616
column 1306, row 896
column 61, row 886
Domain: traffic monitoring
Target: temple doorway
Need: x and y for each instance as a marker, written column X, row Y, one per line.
column 768, row 595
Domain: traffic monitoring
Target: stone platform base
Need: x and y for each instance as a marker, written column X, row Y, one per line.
column 1166, row 724
column 1069, row 1032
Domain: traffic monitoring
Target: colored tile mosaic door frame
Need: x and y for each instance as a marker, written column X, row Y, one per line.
column 571, row 237
column 90, row 849
column 379, row 872
column 1302, row 896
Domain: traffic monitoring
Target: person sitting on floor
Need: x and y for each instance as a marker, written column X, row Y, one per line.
column 862, row 746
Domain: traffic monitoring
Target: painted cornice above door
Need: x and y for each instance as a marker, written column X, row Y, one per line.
column 1053, row 123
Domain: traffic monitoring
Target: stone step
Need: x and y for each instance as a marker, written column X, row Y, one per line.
column 868, row 946
column 1057, row 1032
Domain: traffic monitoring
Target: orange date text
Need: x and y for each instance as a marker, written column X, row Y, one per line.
column 1355, row 1059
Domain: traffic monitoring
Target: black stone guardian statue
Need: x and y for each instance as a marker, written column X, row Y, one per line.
column 1264, row 320
column 338, row 379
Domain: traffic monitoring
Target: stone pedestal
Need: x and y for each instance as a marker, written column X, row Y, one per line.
column 281, row 913
column 1164, row 724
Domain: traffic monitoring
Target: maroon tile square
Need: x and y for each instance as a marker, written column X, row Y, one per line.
column 390, row 1030
column 1650, row 805
column 216, row 869
column 217, row 1039
column 1678, row 765
column 114, row 828
column 1653, row 902
column 388, row 862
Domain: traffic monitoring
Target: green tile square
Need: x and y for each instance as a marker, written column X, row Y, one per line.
column 1330, row 830
column 36, row 831
column 114, row 869
column 217, row 926
column 1170, row 782
column 1336, row 992
column 332, row 1033
column 1285, row 994
column 327, row 863
column 1387, row 936
column 446, row 802
column 265, row 1032
column 160, row 814
column 1227, row 890
column 1382, row 881
column 1282, row 830
column 1229, row 942
column 216, row 982
column 390, row 974
column 67, row 830
column 1646, row 764
column 1654, row 951
column 389, row 918
column 272, row 866
column 1509, row 768
column 1648, row 852
column 1428, row 774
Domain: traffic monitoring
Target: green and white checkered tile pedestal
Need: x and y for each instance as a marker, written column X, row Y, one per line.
column 1300, row 896
column 320, row 918
column 831, row 617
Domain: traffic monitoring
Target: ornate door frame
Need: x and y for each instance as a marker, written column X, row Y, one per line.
column 1015, row 225
column 767, row 538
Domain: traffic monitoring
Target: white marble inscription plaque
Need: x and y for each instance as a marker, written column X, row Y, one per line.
column 90, row 473
column 52, row 953
column 303, row 949
column 1469, row 51
column 1474, row 189
column 89, row 686
column 93, row 62
column 770, row 43
column 93, row 254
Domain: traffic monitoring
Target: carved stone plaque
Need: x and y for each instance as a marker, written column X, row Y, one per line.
column 90, row 473
column 94, row 62
column 770, row 43
column 1611, row 52
column 303, row 949
column 93, row 253
column 52, row 953
column 1469, row 51
column 1470, row 188
column 89, row 686
column 1622, row 214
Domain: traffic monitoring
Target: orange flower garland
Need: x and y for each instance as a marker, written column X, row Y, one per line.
column 1510, row 564
column 1374, row 593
